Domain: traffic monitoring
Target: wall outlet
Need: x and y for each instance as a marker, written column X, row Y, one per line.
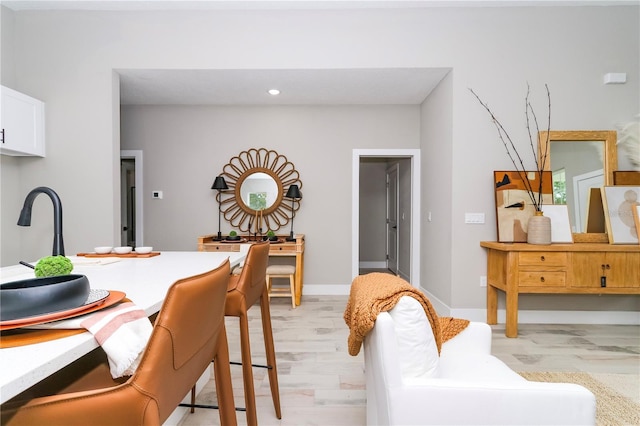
column 483, row 281
column 156, row 194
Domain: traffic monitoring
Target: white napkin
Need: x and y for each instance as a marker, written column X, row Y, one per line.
column 122, row 330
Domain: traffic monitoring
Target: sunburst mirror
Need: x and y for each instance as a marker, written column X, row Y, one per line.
column 257, row 181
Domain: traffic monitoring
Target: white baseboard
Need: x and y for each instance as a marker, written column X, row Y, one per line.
column 524, row 317
column 540, row 317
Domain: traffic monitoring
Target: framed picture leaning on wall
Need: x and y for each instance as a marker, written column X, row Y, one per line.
column 619, row 204
column 513, row 203
column 560, row 224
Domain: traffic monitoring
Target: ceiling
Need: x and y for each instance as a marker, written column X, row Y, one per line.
column 388, row 86
column 368, row 86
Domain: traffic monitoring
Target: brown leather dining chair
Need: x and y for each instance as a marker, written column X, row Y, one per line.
column 188, row 333
column 245, row 290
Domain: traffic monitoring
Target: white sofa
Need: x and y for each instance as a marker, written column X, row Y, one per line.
column 408, row 383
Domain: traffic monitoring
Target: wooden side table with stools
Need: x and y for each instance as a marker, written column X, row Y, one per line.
column 282, row 271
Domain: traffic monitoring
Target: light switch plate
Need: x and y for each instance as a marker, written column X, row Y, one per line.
column 474, row 218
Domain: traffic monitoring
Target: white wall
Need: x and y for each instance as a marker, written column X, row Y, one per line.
column 67, row 59
column 186, row 147
column 436, row 135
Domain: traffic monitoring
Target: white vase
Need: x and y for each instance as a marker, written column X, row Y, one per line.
column 539, row 229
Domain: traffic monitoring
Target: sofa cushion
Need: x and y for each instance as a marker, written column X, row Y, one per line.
column 474, row 367
column 417, row 349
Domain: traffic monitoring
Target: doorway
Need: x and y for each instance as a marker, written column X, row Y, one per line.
column 412, row 189
column 131, row 194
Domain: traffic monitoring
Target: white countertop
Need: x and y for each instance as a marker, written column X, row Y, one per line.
column 144, row 280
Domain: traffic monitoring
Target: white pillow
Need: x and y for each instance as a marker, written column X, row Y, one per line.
column 417, row 347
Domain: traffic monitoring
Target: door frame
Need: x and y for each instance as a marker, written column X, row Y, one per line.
column 394, row 168
column 136, row 156
column 414, row 156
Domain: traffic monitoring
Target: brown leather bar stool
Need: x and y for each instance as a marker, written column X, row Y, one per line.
column 243, row 292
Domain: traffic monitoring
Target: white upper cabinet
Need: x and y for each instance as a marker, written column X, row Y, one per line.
column 22, row 124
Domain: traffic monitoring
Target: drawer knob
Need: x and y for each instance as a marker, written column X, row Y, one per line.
column 541, row 279
column 542, row 258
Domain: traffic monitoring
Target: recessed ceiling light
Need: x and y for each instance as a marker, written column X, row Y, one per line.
column 274, row 92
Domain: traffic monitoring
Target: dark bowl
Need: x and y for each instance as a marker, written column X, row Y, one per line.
column 38, row 296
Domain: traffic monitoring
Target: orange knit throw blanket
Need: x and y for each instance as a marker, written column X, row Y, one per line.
column 379, row 292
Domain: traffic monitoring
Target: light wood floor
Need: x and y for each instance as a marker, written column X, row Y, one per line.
column 320, row 384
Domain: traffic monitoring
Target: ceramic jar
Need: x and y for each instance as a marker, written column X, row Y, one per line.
column 539, row 229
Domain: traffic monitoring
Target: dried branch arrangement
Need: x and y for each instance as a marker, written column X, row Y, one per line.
column 512, row 152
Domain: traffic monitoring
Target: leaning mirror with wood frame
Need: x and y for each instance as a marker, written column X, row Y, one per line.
column 257, row 181
column 579, row 160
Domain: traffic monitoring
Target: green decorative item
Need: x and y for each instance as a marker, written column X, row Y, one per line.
column 272, row 236
column 50, row 266
column 233, row 236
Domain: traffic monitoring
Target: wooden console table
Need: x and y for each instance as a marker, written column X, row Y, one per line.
column 557, row 269
column 281, row 249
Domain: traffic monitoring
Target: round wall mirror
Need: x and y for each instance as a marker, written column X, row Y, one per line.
column 259, row 191
column 258, row 179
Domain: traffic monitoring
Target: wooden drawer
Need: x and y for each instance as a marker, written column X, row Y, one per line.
column 538, row 258
column 542, row 278
column 282, row 248
column 223, row 247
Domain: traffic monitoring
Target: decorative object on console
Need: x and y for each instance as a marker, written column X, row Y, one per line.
column 271, row 236
column 595, row 212
column 580, row 160
column 513, row 205
column 626, row 177
column 533, row 191
column 257, row 179
column 233, row 236
column 219, row 184
column 636, row 218
column 539, row 229
column 619, row 202
column 560, row 226
column 294, row 193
